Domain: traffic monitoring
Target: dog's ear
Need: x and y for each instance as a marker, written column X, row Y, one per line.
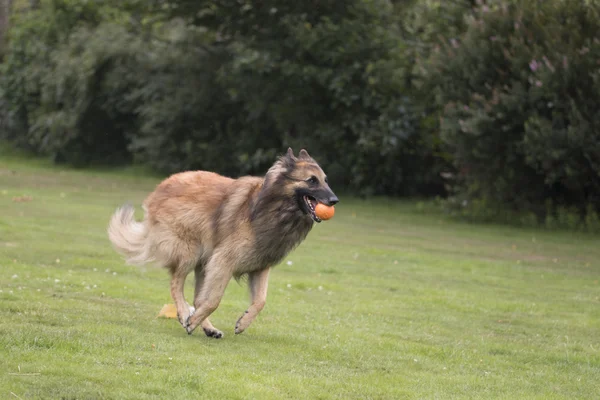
column 290, row 154
column 289, row 160
column 304, row 155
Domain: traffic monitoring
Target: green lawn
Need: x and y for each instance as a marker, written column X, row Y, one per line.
column 381, row 302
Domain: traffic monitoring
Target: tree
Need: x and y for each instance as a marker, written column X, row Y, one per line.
column 519, row 93
column 5, row 9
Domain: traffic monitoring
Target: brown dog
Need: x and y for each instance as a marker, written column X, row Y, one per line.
column 222, row 228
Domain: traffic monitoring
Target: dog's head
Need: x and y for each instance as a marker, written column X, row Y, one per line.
column 305, row 181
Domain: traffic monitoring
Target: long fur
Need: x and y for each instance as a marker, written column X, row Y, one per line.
column 129, row 236
column 220, row 228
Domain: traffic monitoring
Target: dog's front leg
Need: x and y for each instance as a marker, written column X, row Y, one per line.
column 217, row 274
column 258, row 282
column 206, row 325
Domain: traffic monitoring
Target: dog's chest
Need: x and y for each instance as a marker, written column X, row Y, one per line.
column 273, row 245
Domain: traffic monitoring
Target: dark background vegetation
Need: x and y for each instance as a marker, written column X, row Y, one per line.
column 492, row 106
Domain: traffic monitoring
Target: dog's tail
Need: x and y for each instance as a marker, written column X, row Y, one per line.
column 129, row 237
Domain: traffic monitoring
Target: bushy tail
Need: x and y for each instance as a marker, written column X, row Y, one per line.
column 129, row 237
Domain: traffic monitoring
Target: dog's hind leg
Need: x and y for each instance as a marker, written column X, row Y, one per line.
column 178, row 275
column 217, row 274
column 206, row 325
column 258, row 283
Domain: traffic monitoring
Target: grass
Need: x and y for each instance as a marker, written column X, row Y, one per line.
column 381, row 302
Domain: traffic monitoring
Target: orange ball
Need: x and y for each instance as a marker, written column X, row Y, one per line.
column 324, row 212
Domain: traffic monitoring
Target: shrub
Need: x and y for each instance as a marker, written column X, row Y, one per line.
column 61, row 79
column 332, row 81
column 223, row 86
column 188, row 120
column 520, row 94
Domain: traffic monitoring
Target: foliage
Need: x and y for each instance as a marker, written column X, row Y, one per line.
column 187, row 118
column 285, row 74
column 332, row 82
column 56, row 77
column 520, row 91
column 205, row 85
column 501, row 95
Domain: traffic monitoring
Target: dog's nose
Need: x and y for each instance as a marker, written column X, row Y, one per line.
column 333, row 200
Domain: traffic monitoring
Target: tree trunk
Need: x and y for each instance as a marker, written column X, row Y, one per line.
column 5, row 6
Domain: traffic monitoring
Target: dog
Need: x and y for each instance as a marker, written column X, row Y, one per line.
column 220, row 227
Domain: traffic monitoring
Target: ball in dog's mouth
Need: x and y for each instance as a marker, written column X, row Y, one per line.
column 311, row 203
column 324, row 212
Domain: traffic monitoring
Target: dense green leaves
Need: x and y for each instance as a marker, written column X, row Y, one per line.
column 220, row 85
column 521, row 96
column 387, row 95
column 55, row 81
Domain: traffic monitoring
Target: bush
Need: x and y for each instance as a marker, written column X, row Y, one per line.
column 62, row 80
column 520, row 92
column 188, row 120
column 211, row 86
column 333, row 81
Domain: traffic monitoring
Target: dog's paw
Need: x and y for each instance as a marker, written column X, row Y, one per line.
column 238, row 325
column 214, row 333
column 185, row 322
column 187, row 325
column 242, row 323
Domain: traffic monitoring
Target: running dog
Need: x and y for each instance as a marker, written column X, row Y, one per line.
column 221, row 228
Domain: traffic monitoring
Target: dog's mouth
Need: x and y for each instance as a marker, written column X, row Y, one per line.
column 311, row 203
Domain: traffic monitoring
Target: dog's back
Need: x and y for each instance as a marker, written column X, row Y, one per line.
column 185, row 216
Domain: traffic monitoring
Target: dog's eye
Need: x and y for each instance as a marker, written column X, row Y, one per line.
column 313, row 180
column 326, row 181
